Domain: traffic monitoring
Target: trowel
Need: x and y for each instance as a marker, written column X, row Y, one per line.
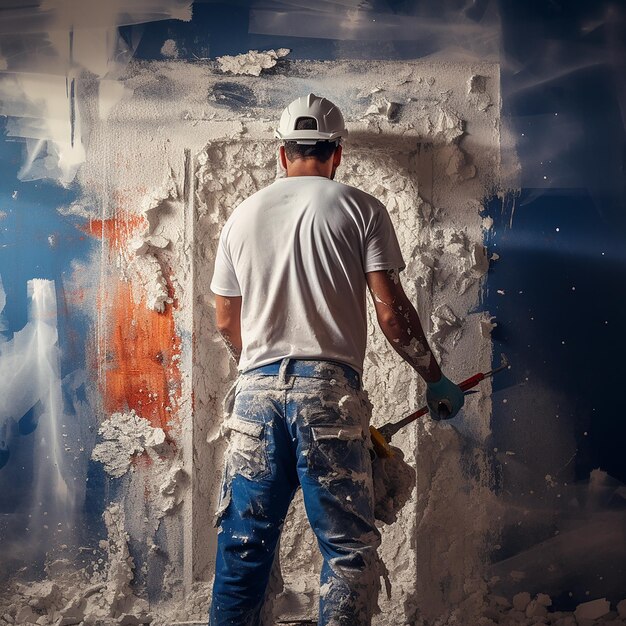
column 382, row 436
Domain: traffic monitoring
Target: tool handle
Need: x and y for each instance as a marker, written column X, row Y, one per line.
column 472, row 381
column 389, row 430
column 444, row 409
column 380, row 444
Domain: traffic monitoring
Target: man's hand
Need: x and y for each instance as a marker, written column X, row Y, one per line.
column 228, row 322
column 444, row 399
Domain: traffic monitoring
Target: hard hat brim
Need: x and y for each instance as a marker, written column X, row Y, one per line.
column 310, row 136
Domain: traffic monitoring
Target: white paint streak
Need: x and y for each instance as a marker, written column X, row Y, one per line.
column 31, row 401
column 43, row 88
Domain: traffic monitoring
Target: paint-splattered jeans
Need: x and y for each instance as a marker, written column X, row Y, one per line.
column 305, row 424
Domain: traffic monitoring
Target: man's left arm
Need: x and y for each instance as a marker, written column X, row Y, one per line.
column 228, row 322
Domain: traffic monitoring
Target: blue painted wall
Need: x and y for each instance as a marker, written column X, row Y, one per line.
column 36, row 241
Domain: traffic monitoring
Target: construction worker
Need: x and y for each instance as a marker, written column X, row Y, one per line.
column 291, row 271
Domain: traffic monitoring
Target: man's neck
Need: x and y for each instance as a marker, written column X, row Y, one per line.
column 308, row 167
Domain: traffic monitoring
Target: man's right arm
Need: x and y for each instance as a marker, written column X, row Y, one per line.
column 401, row 325
column 228, row 322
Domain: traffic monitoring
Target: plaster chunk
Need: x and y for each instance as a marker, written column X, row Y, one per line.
column 535, row 609
column 169, row 49
column 447, row 326
column 593, row 609
column 172, row 489
column 477, row 90
column 544, row 599
column 125, row 435
column 251, row 63
column 26, row 614
column 521, row 601
column 459, row 169
column 487, row 324
column 43, row 596
column 384, row 108
column 447, row 125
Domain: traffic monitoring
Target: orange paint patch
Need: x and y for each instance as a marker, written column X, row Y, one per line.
column 114, row 230
column 139, row 347
column 141, row 353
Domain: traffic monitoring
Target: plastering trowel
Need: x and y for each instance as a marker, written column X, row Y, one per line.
column 382, row 436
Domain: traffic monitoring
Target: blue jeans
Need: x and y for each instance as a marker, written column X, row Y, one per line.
column 297, row 423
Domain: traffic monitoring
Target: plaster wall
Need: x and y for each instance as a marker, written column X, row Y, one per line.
column 432, row 176
column 182, row 147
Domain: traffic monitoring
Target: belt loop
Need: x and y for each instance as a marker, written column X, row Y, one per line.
column 282, row 382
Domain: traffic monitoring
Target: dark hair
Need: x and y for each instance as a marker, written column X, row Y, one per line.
column 322, row 150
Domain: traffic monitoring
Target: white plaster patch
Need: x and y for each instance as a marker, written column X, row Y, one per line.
column 172, row 488
column 125, row 435
column 169, row 49
column 448, row 327
column 251, row 63
column 213, row 152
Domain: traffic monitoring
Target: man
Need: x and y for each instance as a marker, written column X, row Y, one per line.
column 290, row 280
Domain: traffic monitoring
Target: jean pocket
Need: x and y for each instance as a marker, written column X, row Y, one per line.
column 337, row 451
column 247, row 448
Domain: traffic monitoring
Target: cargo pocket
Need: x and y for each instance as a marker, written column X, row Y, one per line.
column 337, row 451
column 247, row 448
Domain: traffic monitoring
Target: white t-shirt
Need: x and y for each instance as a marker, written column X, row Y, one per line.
column 297, row 252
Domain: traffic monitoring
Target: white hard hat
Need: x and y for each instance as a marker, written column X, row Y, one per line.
column 330, row 124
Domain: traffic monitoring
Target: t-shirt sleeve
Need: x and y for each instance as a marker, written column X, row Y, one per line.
column 224, row 281
column 382, row 250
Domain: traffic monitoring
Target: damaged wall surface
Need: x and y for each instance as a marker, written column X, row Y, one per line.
column 408, row 147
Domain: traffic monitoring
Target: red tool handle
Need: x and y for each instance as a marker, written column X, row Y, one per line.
column 389, row 430
column 472, row 381
column 382, row 436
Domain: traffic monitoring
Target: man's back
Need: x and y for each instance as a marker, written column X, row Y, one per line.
column 297, row 252
column 290, row 275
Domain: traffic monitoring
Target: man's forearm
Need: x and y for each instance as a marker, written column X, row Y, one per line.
column 233, row 346
column 228, row 322
column 401, row 326
column 406, row 336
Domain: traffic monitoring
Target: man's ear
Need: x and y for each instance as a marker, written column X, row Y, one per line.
column 283, row 157
column 337, row 156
